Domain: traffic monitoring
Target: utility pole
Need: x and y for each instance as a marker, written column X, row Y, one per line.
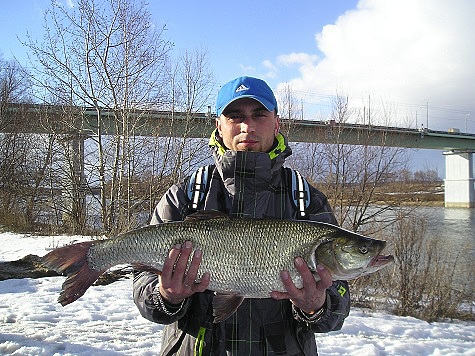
column 427, row 115
column 369, row 109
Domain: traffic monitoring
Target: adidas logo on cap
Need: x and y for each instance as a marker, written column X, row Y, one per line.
column 242, row 87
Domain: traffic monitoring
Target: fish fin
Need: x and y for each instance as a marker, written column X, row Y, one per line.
column 72, row 261
column 225, row 305
column 206, row 215
column 142, row 267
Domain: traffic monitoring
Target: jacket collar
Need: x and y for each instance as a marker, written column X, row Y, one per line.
column 232, row 163
column 279, row 148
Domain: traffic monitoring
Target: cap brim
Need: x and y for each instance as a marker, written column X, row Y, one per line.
column 268, row 105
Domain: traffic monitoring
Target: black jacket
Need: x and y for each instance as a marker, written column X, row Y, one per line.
column 242, row 184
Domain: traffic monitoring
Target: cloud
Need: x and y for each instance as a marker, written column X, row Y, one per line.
column 247, row 70
column 302, row 59
column 270, row 67
column 409, row 52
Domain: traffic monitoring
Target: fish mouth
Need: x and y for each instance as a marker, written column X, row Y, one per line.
column 381, row 260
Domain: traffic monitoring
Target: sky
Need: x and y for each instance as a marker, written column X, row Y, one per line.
column 404, row 54
column 412, row 59
column 106, row 322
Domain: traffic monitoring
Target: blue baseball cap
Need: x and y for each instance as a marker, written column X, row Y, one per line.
column 245, row 87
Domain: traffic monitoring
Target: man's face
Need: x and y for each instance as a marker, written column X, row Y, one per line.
column 246, row 125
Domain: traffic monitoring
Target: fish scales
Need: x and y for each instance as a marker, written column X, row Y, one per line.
column 234, row 250
column 244, row 256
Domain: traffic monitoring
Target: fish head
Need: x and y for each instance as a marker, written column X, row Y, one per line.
column 348, row 255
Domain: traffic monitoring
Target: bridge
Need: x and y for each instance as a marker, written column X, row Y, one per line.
column 80, row 122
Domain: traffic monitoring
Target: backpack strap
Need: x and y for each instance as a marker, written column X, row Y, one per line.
column 299, row 192
column 197, row 187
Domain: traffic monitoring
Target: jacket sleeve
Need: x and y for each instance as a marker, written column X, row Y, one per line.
column 150, row 308
column 337, row 307
column 172, row 207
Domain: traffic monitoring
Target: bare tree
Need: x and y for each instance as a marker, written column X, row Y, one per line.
column 19, row 177
column 15, row 86
column 107, row 56
column 193, row 84
column 290, row 109
column 351, row 175
column 356, row 172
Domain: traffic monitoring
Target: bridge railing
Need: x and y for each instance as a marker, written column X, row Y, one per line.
column 37, row 118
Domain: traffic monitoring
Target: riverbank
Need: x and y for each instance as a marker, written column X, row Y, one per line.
column 105, row 320
column 430, row 194
column 424, row 193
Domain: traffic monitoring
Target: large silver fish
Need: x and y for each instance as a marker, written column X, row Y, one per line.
column 244, row 256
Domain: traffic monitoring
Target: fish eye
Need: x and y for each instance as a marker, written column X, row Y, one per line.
column 363, row 249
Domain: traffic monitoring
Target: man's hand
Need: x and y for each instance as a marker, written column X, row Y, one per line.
column 312, row 295
column 178, row 283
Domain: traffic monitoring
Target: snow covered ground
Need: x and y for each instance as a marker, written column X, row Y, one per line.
column 105, row 321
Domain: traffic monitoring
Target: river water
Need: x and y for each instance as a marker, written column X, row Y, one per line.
column 455, row 226
column 455, row 230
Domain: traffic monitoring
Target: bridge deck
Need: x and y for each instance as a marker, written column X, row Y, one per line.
column 77, row 120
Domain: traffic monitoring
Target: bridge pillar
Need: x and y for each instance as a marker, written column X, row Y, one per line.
column 459, row 179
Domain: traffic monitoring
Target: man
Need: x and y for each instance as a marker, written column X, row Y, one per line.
column 248, row 179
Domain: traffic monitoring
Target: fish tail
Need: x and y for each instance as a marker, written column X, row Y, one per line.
column 71, row 260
